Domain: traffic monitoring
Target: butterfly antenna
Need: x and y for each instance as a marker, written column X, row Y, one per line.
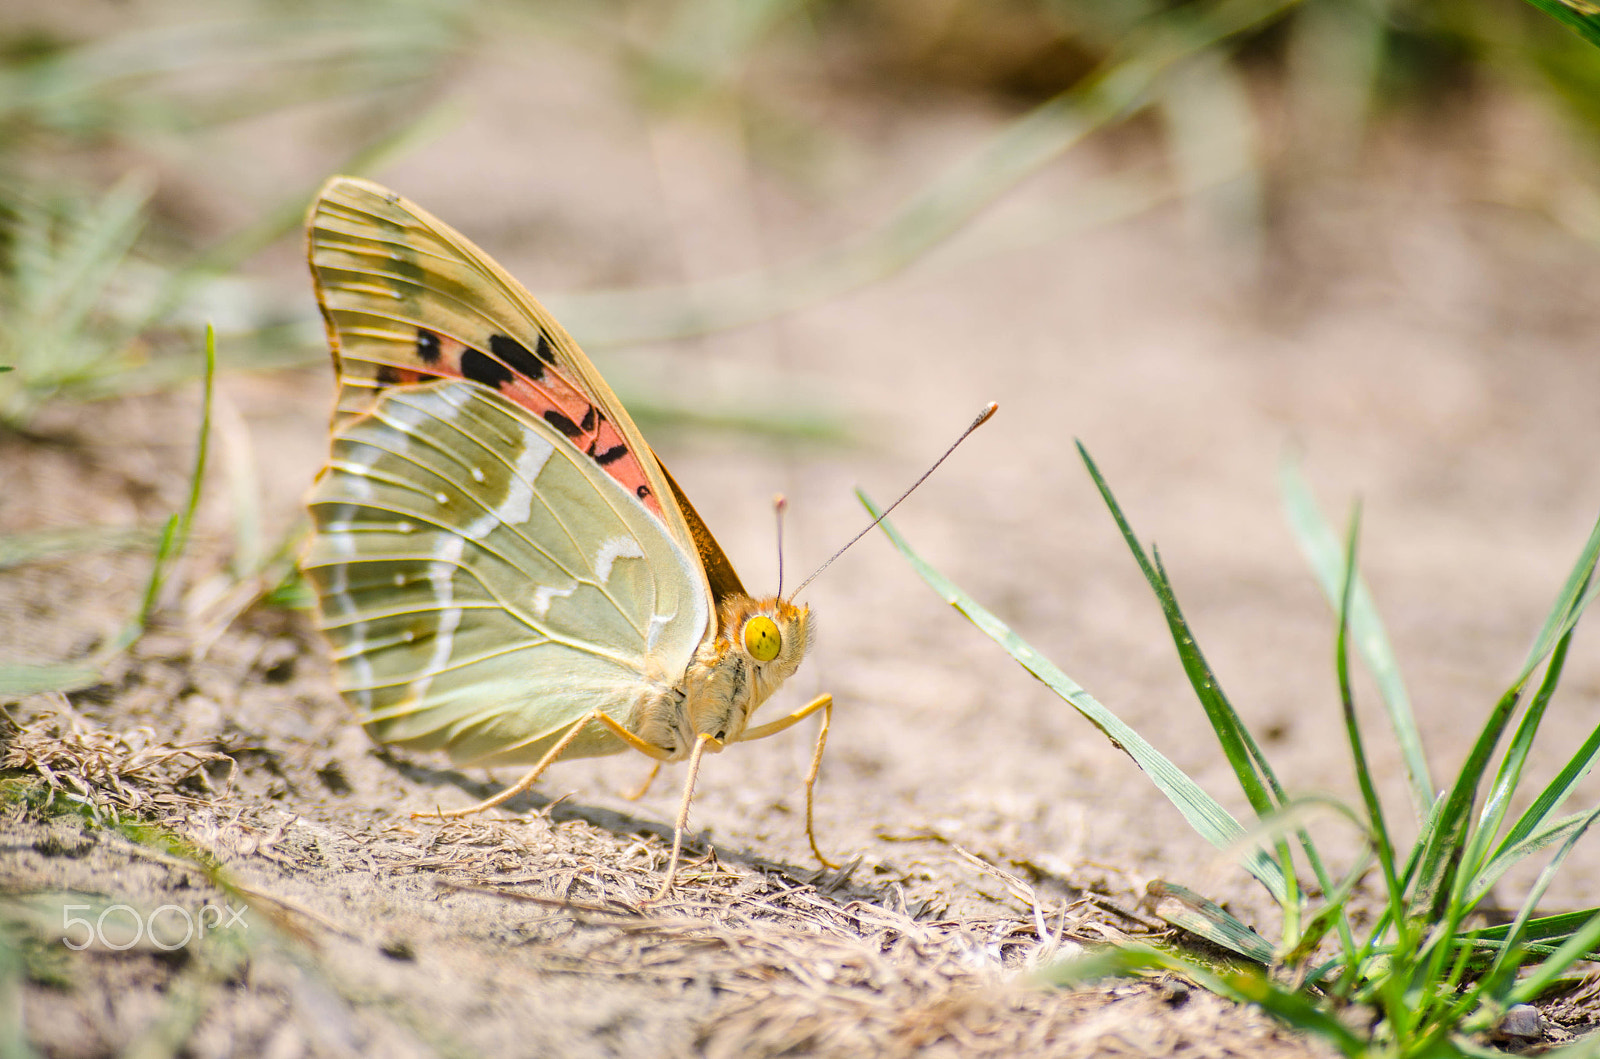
column 779, row 506
column 983, row 417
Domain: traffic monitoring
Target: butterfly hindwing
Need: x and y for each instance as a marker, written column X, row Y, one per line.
column 484, row 584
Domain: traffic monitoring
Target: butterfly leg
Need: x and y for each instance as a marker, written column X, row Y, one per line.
column 705, row 740
column 825, row 704
column 639, row 792
column 549, row 759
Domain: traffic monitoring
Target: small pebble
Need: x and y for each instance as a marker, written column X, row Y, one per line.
column 1521, row 1023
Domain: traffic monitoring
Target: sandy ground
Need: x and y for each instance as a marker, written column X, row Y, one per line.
column 1420, row 337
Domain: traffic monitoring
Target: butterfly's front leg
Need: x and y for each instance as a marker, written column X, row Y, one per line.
column 825, row 704
column 643, row 788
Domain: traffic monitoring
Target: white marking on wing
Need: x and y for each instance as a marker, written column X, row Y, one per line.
column 363, row 678
column 403, row 416
column 518, row 503
column 481, row 526
column 610, row 551
column 355, row 483
column 441, row 575
column 658, row 622
column 544, row 594
column 339, row 601
column 343, row 544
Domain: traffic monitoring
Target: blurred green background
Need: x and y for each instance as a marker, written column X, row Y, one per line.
column 154, row 157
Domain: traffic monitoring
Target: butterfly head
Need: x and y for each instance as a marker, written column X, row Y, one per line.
column 760, row 645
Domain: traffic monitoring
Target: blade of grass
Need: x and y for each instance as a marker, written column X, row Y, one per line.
column 176, row 535
column 1333, row 915
column 1250, row 766
column 1550, row 799
column 1503, row 966
column 1441, row 857
column 1234, row 738
column 1379, row 829
column 1321, row 548
column 23, row 548
column 1205, row 918
column 1498, row 803
column 1509, row 856
column 1576, row 595
column 1209, row 819
column 1247, row 986
column 1581, row 943
column 1571, row 13
column 34, row 679
column 1401, row 1016
column 1556, row 927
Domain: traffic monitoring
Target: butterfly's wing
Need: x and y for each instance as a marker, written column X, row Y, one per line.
column 484, row 584
column 407, row 298
column 498, row 550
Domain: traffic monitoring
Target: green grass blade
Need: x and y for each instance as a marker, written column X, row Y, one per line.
column 22, row 548
column 1333, row 915
column 1554, row 795
column 1441, row 857
column 1510, row 774
column 1250, row 766
column 1321, row 548
column 1576, row 595
column 1556, row 927
column 1503, row 965
column 1447, row 844
column 176, row 535
column 14, row 973
column 1509, row 855
column 1207, row 816
column 1246, row 986
column 1363, row 769
column 1574, row 16
column 1581, row 943
column 1237, row 746
column 1110, row 961
column 1205, row 918
column 34, row 679
column 1290, row 1006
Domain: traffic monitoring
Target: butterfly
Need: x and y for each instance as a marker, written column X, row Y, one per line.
column 504, row 568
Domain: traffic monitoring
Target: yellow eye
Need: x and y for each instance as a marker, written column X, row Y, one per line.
column 761, row 638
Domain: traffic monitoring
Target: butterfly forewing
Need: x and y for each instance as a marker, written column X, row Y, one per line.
column 407, row 298
column 484, row 584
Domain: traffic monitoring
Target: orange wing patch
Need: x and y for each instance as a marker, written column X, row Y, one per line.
column 532, row 380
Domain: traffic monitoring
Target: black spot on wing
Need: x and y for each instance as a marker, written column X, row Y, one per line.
column 588, row 420
column 388, row 375
column 610, row 456
column 542, row 348
column 562, row 423
column 516, row 355
column 480, row 367
column 642, row 492
column 428, row 346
